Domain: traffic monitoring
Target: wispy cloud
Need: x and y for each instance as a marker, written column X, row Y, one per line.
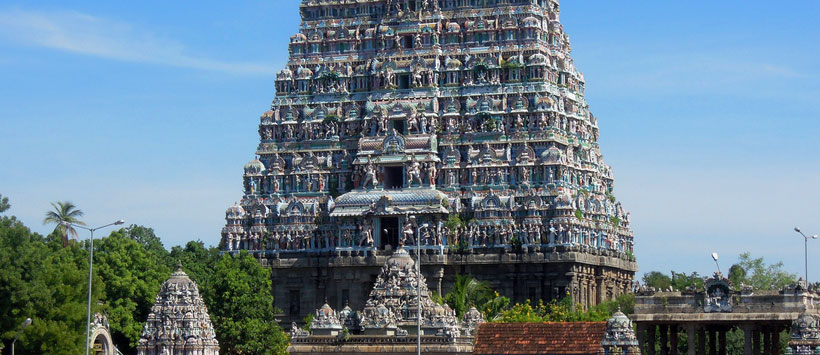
column 739, row 70
column 85, row 34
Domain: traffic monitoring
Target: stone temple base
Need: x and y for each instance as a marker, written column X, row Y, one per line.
column 303, row 281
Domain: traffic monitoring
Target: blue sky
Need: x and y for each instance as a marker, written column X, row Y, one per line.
column 147, row 111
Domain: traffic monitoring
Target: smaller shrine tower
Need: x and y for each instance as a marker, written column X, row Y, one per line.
column 179, row 322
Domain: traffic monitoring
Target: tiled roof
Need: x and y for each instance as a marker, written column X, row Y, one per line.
column 540, row 338
column 408, row 196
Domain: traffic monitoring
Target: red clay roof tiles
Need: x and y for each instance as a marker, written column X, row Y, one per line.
column 540, row 338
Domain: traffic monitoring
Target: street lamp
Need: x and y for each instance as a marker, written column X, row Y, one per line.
column 90, row 266
column 26, row 323
column 806, row 250
column 426, row 227
column 715, row 258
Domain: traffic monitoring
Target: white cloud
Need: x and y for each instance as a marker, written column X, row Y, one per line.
column 81, row 33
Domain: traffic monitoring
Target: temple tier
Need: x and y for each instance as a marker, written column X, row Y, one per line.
column 458, row 125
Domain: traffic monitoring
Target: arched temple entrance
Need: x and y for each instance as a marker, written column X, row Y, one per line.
column 101, row 341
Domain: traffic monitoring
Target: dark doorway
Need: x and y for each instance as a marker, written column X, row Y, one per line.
column 404, row 81
column 393, row 177
column 390, row 232
column 295, row 304
column 400, row 126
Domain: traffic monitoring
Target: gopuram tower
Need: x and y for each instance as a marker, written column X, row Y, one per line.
column 460, row 125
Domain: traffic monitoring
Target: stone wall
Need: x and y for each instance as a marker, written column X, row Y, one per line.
column 301, row 284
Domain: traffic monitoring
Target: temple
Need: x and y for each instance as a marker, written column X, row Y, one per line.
column 457, row 127
column 179, row 322
column 398, row 316
column 706, row 316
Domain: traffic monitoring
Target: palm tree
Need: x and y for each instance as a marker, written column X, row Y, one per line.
column 64, row 211
column 467, row 292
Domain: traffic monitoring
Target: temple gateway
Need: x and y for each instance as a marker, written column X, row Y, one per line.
column 456, row 128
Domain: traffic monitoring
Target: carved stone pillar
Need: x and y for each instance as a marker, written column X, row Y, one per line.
column 640, row 333
column 690, row 339
column 767, row 342
column 712, row 342
column 775, row 342
column 722, row 340
column 664, row 329
column 701, row 341
column 756, row 341
column 747, row 343
column 650, row 335
column 437, row 277
column 673, row 339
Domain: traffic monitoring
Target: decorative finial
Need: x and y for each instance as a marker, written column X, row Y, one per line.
column 179, row 265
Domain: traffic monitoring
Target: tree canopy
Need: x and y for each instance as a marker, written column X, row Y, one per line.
column 47, row 282
column 564, row 311
column 4, row 204
column 240, row 303
column 133, row 275
column 678, row 281
column 748, row 271
column 468, row 292
column 64, row 212
column 44, row 281
column 755, row 273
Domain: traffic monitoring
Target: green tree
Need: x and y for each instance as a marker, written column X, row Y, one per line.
column 197, row 260
column 4, row 204
column 132, row 274
column 737, row 275
column 657, row 279
column 564, row 311
column 468, row 292
column 153, row 245
column 48, row 283
column 241, row 306
column 523, row 313
column 682, row 281
column 760, row 276
column 64, row 211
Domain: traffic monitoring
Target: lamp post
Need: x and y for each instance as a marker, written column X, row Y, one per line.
column 806, row 251
column 715, row 258
column 25, row 324
column 90, row 267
